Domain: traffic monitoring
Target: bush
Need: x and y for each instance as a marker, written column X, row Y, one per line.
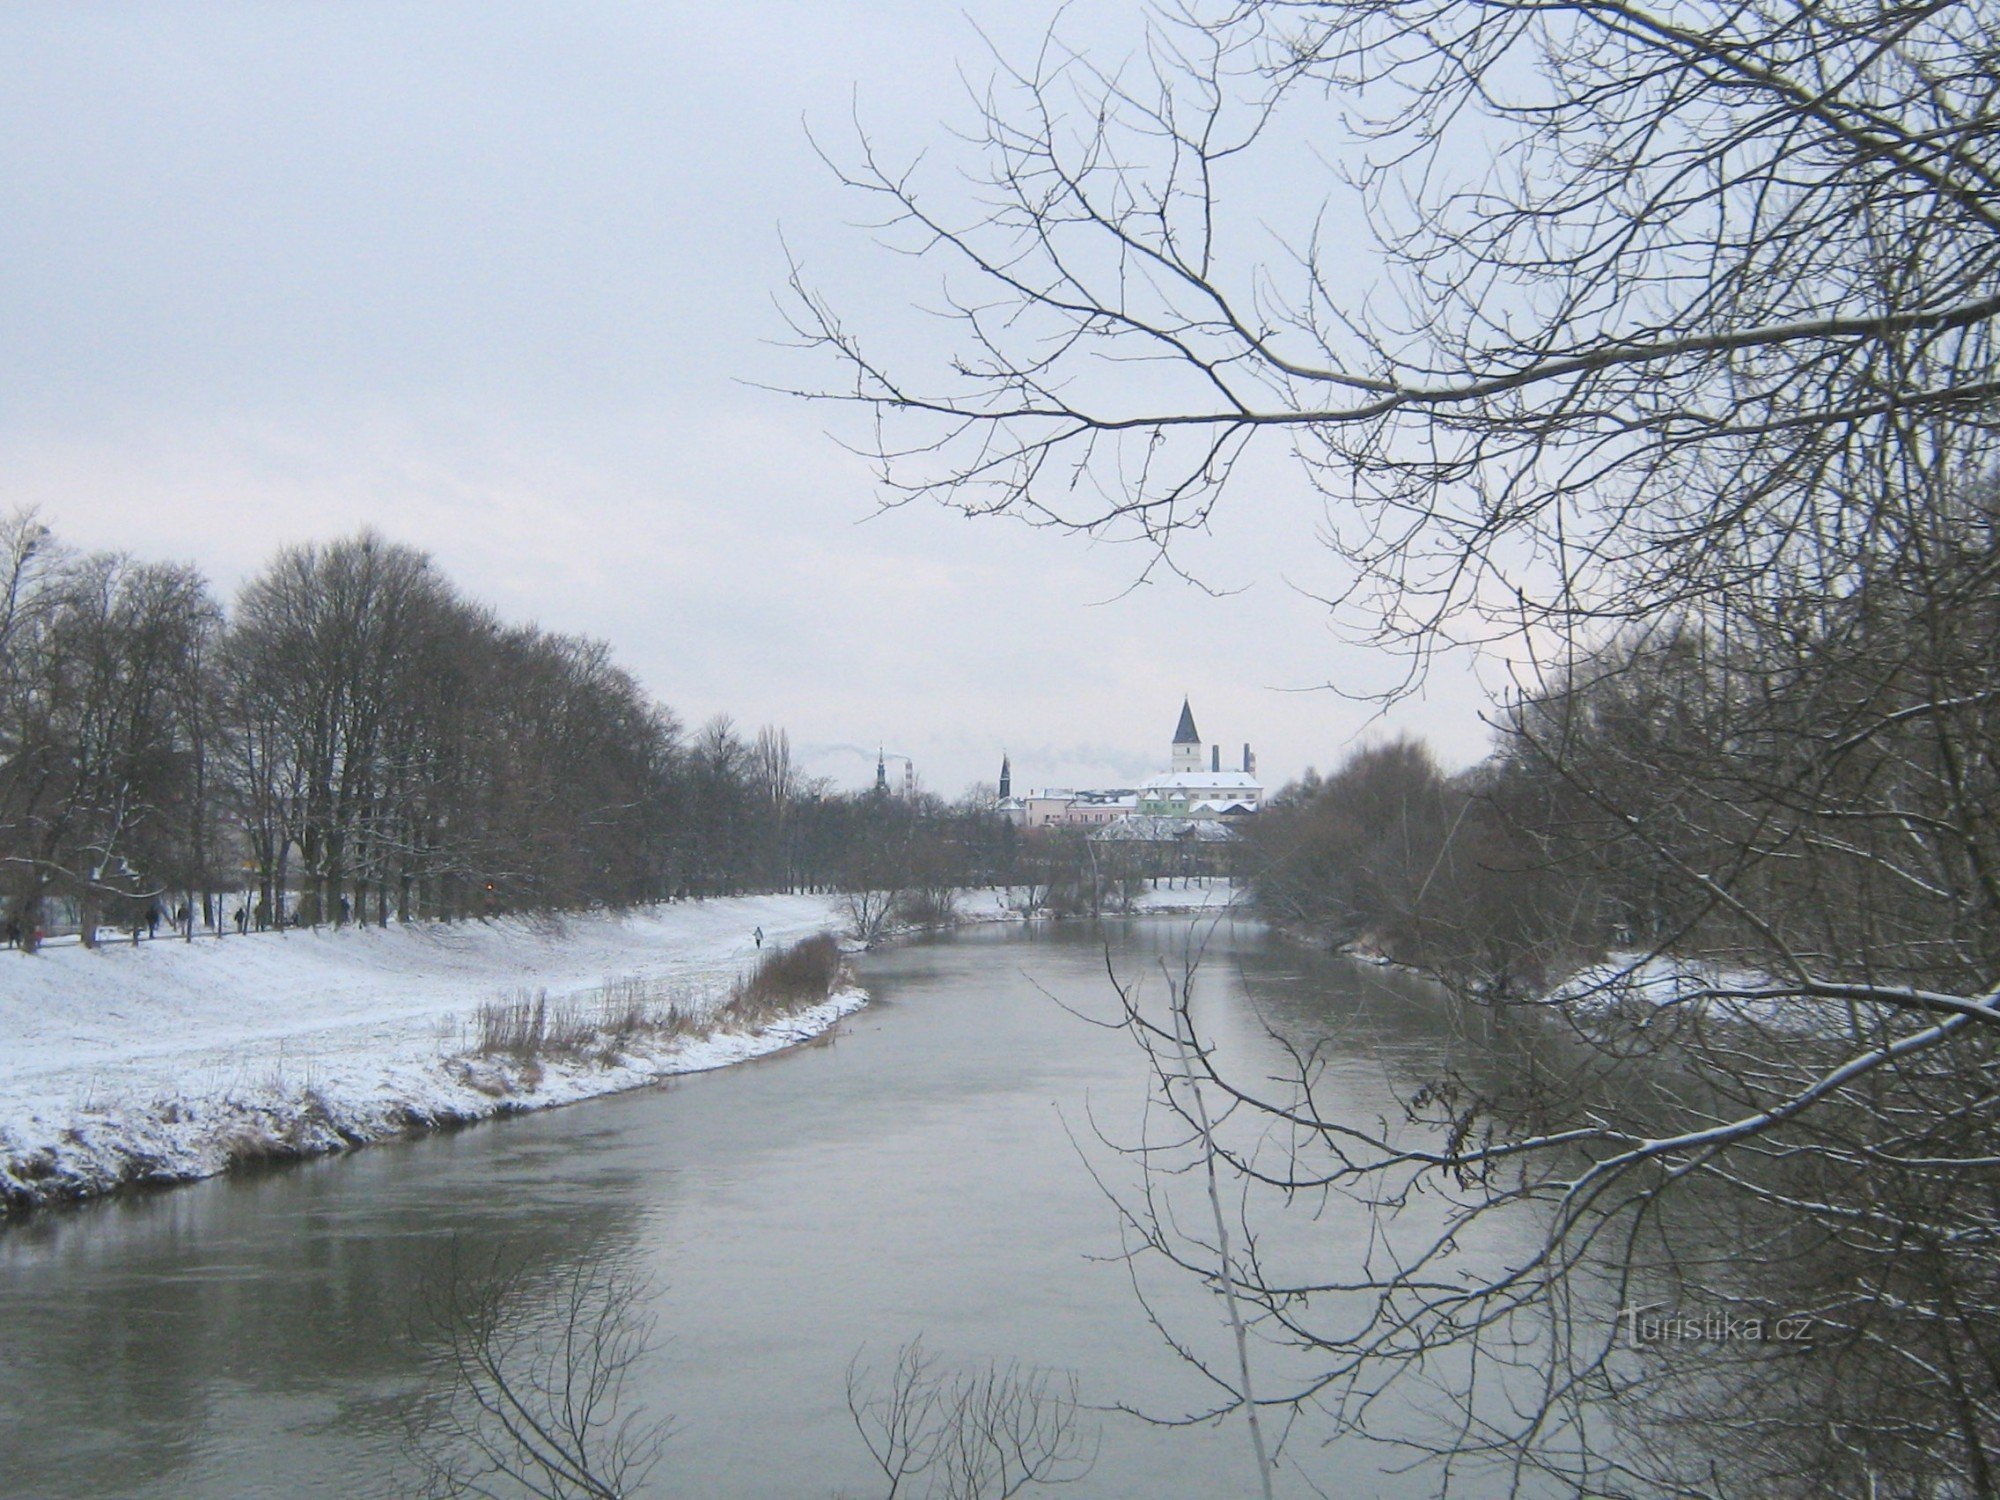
column 785, row 980
column 927, row 908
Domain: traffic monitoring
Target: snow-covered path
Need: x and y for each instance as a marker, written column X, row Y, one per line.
column 170, row 1059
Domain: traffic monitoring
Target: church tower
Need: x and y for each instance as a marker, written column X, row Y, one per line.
column 881, row 775
column 1006, row 777
column 1187, row 743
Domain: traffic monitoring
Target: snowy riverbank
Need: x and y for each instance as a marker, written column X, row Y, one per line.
column 168, row 1061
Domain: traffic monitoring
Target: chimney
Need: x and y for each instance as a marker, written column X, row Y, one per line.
column 1215, row 762
column 1246, row 758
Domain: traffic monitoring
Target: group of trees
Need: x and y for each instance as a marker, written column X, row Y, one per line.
column 1444, row 872
column 391, row 746
column 1807, row 783
column 905, row 859
column 356, row 740
column 102, row 663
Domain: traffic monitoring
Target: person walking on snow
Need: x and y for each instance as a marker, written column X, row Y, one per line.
column 760, row 937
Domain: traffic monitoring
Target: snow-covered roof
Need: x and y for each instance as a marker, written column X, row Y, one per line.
column 1202, row 781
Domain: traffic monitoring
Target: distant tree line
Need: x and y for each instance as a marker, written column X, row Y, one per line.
column 355, row 740
column 1391, row 854
column 1807, row 777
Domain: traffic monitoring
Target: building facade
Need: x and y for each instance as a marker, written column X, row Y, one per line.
column 1193, row 787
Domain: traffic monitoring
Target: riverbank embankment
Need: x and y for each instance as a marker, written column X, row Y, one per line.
column 167, row 1060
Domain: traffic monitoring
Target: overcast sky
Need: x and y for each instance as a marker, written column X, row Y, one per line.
column 498, row 279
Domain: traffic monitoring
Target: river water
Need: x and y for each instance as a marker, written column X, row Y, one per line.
column 932, row 1169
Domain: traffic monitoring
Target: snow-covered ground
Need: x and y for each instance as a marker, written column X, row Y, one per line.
column 170, row 1060
column 1640, row 984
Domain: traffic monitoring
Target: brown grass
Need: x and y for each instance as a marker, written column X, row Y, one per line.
column 786, row 980
column 598, row 1026
column 609, row 1022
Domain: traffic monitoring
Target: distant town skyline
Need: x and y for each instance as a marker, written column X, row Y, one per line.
column 498, row 279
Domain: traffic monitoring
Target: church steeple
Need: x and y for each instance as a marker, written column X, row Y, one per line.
column 881, row 775
column 1186, row 755
column 1187, row 734
column 1006, row 777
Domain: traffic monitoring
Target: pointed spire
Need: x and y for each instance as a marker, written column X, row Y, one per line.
column 1187, row 734
column 1006, row 777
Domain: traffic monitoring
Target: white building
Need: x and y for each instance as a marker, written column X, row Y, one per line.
column 1189, row 789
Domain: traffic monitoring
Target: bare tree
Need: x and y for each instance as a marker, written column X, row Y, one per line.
column 1693, row 1157
column 1655, row 285
column 1677, row 380
column 532, row 1372
column 982, row 1434
column 870, row 905
column 878, row 863
column 776, row 782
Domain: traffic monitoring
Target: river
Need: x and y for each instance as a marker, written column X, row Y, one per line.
column 924, row 1171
